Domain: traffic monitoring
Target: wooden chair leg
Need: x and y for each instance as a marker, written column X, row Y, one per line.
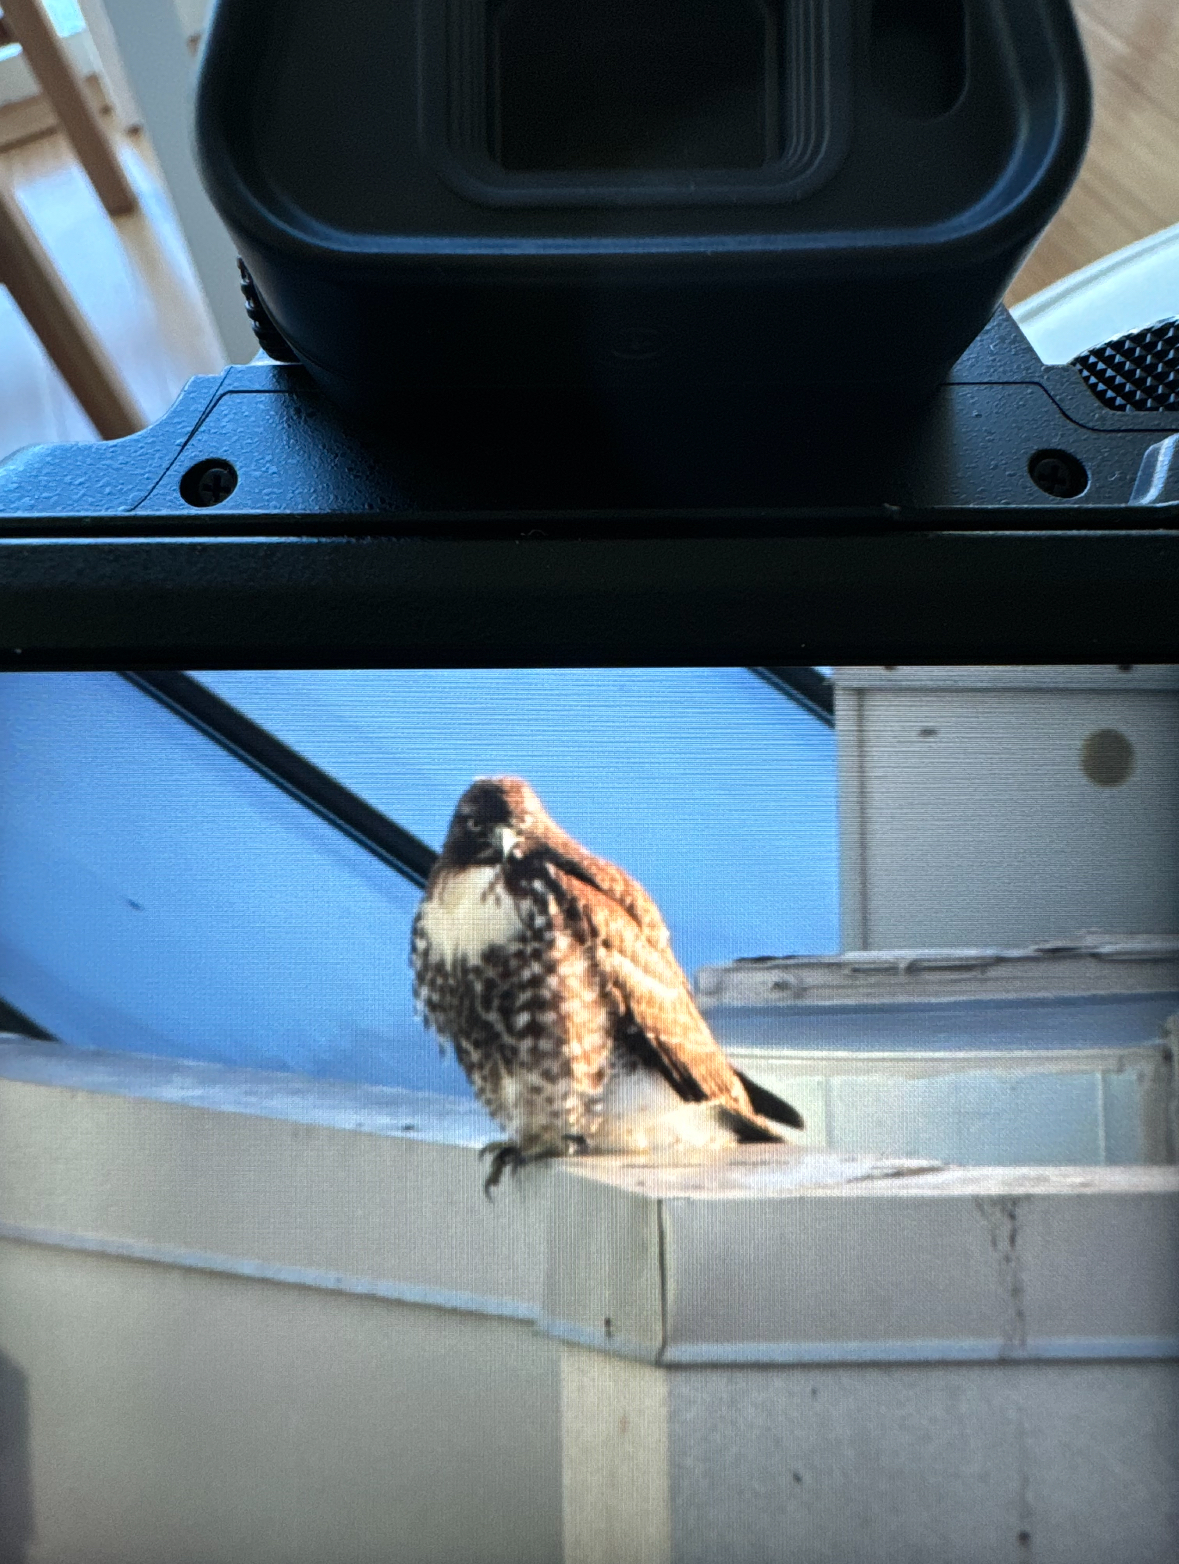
column 31, row 277
column 49, row 63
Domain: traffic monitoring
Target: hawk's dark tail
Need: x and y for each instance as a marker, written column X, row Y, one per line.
column 770, row 1107
column 745, row 1128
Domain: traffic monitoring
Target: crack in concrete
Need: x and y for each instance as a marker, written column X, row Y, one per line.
column 1002, row 1216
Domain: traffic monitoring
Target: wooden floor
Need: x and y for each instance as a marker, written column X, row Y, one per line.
column 1129, row 185
column 130, row 275
column 132, row 278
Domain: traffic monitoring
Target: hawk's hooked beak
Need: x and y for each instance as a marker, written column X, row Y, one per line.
column 506, row 839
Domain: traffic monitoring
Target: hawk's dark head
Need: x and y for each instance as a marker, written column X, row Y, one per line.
column 489, row 819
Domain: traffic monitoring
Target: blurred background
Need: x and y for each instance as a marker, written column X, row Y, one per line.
column 149, row 273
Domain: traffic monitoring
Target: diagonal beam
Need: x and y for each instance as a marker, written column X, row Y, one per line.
column 290, row 771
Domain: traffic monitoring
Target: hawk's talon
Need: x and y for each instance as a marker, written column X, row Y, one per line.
column 507, row 1155
column 503, row 1154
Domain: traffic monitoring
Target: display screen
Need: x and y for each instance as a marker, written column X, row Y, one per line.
column 501, row 1113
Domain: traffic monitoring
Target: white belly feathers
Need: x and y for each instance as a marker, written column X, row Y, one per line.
column 468, row 913
column 642, row 1113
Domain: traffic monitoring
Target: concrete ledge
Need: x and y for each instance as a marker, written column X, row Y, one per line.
column 1013, row 1107
column 265, row 1319
column 767, row 1255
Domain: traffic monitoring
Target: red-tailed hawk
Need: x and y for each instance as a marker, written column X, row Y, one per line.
column 551, row 972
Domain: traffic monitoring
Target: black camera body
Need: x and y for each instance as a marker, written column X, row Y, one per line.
column 626, row 329
column 694, row 200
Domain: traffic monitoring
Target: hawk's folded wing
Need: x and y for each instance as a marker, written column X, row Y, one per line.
column 649, row 988
column 567, row 853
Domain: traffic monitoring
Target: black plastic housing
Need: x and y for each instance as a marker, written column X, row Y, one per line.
column 636, row 204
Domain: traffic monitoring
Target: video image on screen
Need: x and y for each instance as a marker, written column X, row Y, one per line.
column 597, row 1114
